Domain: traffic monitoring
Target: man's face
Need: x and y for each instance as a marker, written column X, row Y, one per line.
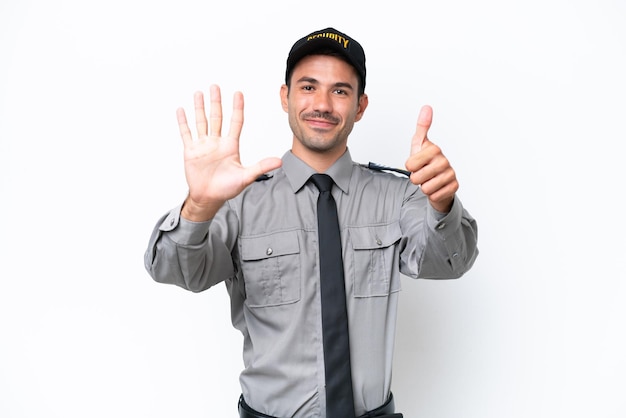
column 322, row 104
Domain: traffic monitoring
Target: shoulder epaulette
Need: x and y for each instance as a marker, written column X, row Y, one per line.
column 379, row 167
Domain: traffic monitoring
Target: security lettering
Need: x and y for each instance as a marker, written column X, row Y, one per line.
column 340, row 39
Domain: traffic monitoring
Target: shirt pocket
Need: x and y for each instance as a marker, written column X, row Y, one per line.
column 271, row 269
column 375, row 257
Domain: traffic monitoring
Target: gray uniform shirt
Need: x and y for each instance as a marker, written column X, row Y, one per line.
column 263, row 245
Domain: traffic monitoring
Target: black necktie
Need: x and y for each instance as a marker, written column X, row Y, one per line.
column 339, row 401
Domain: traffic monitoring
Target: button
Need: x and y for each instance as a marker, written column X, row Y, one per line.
column 455, row 255
column 172, row 222
column 441, row 226
column 269, row 251
column 378, row 241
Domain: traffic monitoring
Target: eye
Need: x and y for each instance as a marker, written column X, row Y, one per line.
column 307, row 87
column 340, row 92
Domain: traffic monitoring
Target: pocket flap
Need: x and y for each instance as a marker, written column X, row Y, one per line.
column 270, row 245
column 375, row 236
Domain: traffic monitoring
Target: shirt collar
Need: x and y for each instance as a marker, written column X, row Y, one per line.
column 298, row 172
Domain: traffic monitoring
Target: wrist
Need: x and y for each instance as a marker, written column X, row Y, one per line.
column 199, row 212
column 442, row 206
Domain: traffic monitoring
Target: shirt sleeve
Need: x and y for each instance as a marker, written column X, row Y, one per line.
column 192, row 255
column 437, row 245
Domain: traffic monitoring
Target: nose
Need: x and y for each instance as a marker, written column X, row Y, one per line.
column 322, row 102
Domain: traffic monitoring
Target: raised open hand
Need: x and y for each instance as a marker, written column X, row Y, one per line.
column 429, row 167
column 213, row 166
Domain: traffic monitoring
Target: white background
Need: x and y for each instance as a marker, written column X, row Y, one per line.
column 529, row 103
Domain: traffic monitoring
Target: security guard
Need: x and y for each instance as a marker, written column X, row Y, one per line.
column 255, row 229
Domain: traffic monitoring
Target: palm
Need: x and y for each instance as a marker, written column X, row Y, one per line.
column 213, row 168
column 212, row 164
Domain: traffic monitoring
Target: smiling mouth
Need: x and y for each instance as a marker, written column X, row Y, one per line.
column 319, row 124
column 322, row 118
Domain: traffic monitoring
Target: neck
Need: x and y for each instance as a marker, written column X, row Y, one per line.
column 319, row 161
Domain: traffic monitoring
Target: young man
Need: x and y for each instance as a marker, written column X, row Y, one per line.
column 256, row 229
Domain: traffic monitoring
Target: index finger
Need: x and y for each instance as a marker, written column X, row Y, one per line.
column 424, row 120
column 236, row 120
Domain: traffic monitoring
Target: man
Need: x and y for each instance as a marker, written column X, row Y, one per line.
column 256, row 229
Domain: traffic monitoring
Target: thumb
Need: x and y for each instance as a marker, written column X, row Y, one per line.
column 424, row 119
column 262, row 167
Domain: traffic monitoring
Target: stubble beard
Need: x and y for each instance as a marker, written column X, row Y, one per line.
column 319, row 143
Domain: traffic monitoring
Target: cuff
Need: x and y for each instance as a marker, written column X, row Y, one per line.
column 445, row 223
column 182, row 231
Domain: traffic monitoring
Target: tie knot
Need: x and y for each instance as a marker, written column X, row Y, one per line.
column 323, row 182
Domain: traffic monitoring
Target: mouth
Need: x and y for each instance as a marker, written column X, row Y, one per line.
column 320, row 120
column 319, row 124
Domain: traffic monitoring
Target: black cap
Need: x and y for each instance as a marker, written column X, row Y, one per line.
column 328, row 38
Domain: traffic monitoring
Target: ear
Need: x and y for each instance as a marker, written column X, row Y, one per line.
column 363, row 102
column 284, row 90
